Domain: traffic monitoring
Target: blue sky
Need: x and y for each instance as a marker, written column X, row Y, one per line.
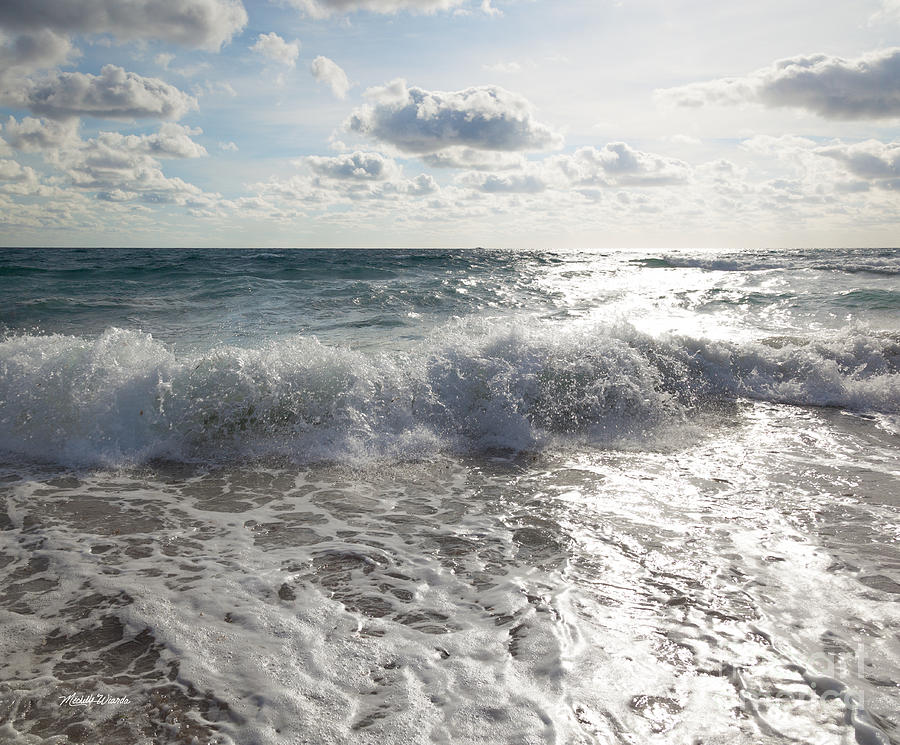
column 512, row 123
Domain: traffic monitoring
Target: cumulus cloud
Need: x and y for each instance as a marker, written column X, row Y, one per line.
column 26, row 53
column 13, row 172
column 114, row 166
column 126, row 167
column 422, row 185
column 872, row 161
column 359, row 178
column 32, row 135
column 325, row 8
column 864, row 88
column 476, row 160
column 619, row 164
column 356, row 166
column 588, row 168
column 171, row 141
column 328, row 71
column 205, row 24
column 812, row 174
column 418, row 121
column 277, row 49
column 113, row 94
column 786, row 180
column 510, row 183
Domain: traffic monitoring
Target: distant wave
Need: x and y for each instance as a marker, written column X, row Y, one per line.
column 126, row 398
column 885, row 262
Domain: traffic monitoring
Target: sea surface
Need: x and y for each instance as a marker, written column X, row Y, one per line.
column 338, row 497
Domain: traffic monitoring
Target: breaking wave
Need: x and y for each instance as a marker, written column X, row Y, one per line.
column 124, row 397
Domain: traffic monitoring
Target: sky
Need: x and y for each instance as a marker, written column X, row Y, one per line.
column 436, row 123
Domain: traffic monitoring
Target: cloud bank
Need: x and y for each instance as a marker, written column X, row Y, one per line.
column 614, row 165
column 418, row 121
column 864, row 88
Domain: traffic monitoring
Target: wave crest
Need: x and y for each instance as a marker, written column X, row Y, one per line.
column 125, row 398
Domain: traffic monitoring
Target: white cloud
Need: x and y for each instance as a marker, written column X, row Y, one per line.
column 14, row 172
column 218, row 88
column 366, row 180
column 418, row 121
column 888, row 13
column 806, row 179
column 114, row 94
column 486, row 7
column 614, row 165
column 32, row 135
column 125, row 167
column 619, row 164
column 113, row 166
column 277, row 49
column 872, row 161
column 507, row 183
column 205, row 24
column 832, row 87
column 26, row 53
column 721, row 172
column 327, row 71
column 357, row 166
column 325, row 8
column 230, row 147
column 420, row 186
column 171, row 141
column 778, row 147
column 595, row 188
column 476, row 160
column 164, row 59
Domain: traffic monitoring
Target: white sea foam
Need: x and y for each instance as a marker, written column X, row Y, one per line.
column 639, row 596
column 124, row 397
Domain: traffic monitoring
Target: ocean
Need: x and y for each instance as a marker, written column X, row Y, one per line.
column 474, row 496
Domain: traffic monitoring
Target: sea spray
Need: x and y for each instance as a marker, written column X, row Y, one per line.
column 124, row 397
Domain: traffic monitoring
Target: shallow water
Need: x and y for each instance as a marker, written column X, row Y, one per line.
column 592, row 499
